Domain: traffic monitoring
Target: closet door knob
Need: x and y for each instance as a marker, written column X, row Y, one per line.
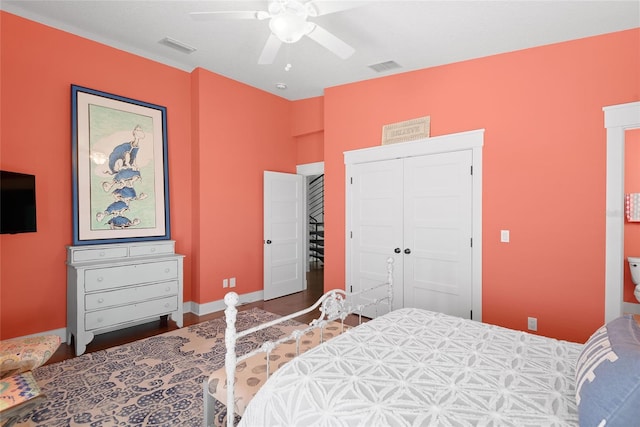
column 397, row 250
column 268, row 242
column 407, row 251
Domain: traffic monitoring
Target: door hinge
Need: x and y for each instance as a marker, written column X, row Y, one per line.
column 471, row 169
column 471, row 239
column 351, row 234
column 471, row 314
column 351, row 289
column 351, row 180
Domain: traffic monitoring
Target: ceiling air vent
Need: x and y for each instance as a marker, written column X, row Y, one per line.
column 384, row 66
column 182, row 47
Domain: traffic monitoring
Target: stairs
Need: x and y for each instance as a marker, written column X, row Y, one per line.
column 316, row 241
column 316, row 219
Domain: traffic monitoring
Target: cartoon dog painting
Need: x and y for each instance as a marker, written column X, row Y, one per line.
column 124, row 155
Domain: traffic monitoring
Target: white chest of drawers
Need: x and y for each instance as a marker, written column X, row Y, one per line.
column 116, row 285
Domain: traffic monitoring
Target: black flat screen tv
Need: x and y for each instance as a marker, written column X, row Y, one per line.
column 17, row 203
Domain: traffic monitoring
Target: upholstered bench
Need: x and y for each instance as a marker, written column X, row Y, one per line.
column 251, row 373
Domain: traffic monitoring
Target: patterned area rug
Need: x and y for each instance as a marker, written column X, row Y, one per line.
column 155, row 381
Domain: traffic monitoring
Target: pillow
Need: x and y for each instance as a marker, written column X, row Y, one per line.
column 608, row 375
column 24, row 354
column 18, row 393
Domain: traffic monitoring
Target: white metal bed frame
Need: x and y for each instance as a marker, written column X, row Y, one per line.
column 334, row 305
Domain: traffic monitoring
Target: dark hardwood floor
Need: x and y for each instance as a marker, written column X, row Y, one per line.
column 283, row 306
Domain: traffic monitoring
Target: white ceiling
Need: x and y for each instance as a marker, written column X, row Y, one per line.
column 414, row 34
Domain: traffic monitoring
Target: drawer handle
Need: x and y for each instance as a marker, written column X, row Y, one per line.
column 153, row 249
column 167, row 270
column 168, row 288
column 101, row 253
column 100, row 319
column 166, row 305
column 100, row 279
column 100, row 300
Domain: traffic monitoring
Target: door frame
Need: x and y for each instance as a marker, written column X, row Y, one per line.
column 617, row 119
column 470, row 140
column 308, row 169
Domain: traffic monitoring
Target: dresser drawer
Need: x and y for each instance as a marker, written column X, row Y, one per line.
column 97, row 254
column 135, row 294
column 151, row 249
column 113, row 316
column 125, row 275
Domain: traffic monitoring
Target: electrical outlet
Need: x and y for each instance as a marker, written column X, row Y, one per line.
column 225, row 283
column 504, row 236
column 532, row 323
column 232, row 282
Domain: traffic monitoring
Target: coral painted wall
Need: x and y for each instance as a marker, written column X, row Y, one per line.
column 310, row 148
column 38, row 66
column 215, row 165
column 231, row 160
column 308, row 129
column 544, row 167
column 631, row 229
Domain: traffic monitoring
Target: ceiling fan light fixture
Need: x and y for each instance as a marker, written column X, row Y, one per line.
column 289, row 28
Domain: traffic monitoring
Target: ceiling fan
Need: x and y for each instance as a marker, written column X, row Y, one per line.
column 288, row 24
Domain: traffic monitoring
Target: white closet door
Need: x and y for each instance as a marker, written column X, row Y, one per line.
column 376, row 225
column 437, row 233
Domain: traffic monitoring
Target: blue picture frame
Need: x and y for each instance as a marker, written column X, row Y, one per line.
column 120, row 169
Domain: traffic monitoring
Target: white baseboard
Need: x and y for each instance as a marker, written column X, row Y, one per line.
column 189, row 306
column 219, row 305
column 212, row 307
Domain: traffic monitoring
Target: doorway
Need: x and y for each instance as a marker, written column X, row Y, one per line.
column 314, row 250
column 617, row 119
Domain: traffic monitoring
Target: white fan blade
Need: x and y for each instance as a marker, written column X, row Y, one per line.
column 270, row 50
column 229, row 14
column 325, row 7
column 331, row 42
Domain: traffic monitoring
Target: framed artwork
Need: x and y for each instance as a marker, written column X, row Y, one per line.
column 120, row 177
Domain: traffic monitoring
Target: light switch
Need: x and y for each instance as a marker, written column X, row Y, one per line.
column 504, row 236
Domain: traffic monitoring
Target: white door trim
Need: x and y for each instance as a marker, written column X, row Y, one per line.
column 470, row 140
column 617, row 119
column 308, row 169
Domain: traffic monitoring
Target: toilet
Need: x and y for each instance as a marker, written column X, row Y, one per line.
column 634, row 266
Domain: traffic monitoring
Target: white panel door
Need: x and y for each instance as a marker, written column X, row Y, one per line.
column 437, row 233
column 376, row 225
column 283, row 234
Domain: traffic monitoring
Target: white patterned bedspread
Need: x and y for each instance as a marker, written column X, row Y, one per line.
column 418, row 368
